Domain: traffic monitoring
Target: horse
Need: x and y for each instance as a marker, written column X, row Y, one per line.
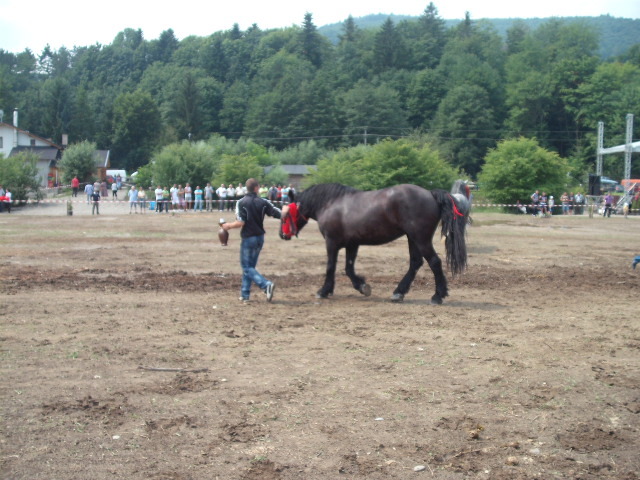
column 348, row 218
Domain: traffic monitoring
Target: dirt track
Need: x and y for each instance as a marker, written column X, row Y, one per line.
column 531, row 368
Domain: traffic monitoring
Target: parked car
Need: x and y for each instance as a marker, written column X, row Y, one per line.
column 609, row 185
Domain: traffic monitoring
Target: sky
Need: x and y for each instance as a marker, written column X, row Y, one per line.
column 36, row 23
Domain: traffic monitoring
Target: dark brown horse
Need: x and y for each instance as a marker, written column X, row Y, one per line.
column 348, row 218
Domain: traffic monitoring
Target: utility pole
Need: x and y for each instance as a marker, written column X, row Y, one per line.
column 628, row 147
column 599, row 148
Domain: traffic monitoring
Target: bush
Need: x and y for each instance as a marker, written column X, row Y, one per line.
column 516, row 168
column 19, row 174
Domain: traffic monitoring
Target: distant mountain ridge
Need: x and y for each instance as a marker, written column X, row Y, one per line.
column 616, row 34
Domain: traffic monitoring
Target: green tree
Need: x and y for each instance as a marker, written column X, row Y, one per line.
column 234, row 106
column 386, row 164
column 391, row 163
column 272, row 112
column 186, row 105
column 163, row 48
column 515, row 37
column 185, row 162
column 144, row 177
column 340, row 166
column 81, row 124
column 307, row 152
column 78, row 161
column 56, row 108
column 475, row 56
column 428, row 46
column 20, row 175
column 371, row 113
column 426, row 91
column 516, row 168
column 465, row 127
column 311, row 43
column 350, row 55
column 390, row 50
column 238, row 168
column 542, row 79
column 136, row 127
column 276, row 176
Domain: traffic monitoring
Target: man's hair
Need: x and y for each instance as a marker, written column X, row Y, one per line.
column 252, row 185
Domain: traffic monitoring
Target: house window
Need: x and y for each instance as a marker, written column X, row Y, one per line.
column 33, row 142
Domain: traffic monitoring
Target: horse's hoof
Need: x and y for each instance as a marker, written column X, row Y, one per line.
column 436, row 300
column 365, row 289
column 323, row 295
column 397, row 297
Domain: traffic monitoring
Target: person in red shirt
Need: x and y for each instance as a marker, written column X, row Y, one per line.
column 75, row 185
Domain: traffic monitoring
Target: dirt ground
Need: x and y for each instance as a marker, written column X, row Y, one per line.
column 126, row 354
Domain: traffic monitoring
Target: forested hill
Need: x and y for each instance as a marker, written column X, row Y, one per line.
column 616, row 34
column 462, row 88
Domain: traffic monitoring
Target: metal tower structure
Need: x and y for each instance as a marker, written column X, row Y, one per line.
column 628, row 148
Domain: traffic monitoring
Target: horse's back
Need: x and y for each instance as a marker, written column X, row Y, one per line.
column 380, row 216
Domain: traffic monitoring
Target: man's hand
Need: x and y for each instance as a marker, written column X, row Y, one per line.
column 229, row 226
column 285, row 210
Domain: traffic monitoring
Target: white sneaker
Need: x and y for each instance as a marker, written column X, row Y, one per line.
column 269, row 291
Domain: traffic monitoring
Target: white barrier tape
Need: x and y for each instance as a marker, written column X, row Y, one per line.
column 106, row 200
column 110, row 200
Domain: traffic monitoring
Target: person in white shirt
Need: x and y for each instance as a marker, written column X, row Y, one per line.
column 175, row 201
column 159, row 199
column 222, row 197
column 133, row 199
column 188, row 196
column 231, row 196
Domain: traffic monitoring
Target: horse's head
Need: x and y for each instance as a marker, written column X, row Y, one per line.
column 292, row 222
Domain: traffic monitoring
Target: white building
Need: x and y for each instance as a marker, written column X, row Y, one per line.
column 14, row 141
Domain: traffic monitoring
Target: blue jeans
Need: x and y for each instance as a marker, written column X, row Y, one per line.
column 249, row 252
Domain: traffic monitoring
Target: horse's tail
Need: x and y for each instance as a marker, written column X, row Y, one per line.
column 454, row 223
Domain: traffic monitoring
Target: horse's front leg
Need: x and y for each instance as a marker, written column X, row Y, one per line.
column 415, row 262
column 330, row 278
column 358, row 282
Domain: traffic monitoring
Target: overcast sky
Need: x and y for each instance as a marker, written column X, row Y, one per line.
column 34, row 23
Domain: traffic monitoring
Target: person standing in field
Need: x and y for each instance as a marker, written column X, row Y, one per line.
column 197, row 195
column 208, row 197
column 95, row 207
column 133, row 199
column 75, row 185
column 142, row 200
column 222, row 197
column 250, row 213
column 158, row 193
column 188, row 196
column 88, row 191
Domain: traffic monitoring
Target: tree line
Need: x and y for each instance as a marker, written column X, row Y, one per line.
column 292, row 96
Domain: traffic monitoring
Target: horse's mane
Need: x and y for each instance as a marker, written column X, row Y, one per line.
column 317, row 196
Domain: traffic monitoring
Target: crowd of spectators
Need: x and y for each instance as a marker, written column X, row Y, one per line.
column 179, row 198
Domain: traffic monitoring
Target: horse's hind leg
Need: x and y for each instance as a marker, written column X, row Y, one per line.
column 415, row 262
column 358, row 282
column 436, row 267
